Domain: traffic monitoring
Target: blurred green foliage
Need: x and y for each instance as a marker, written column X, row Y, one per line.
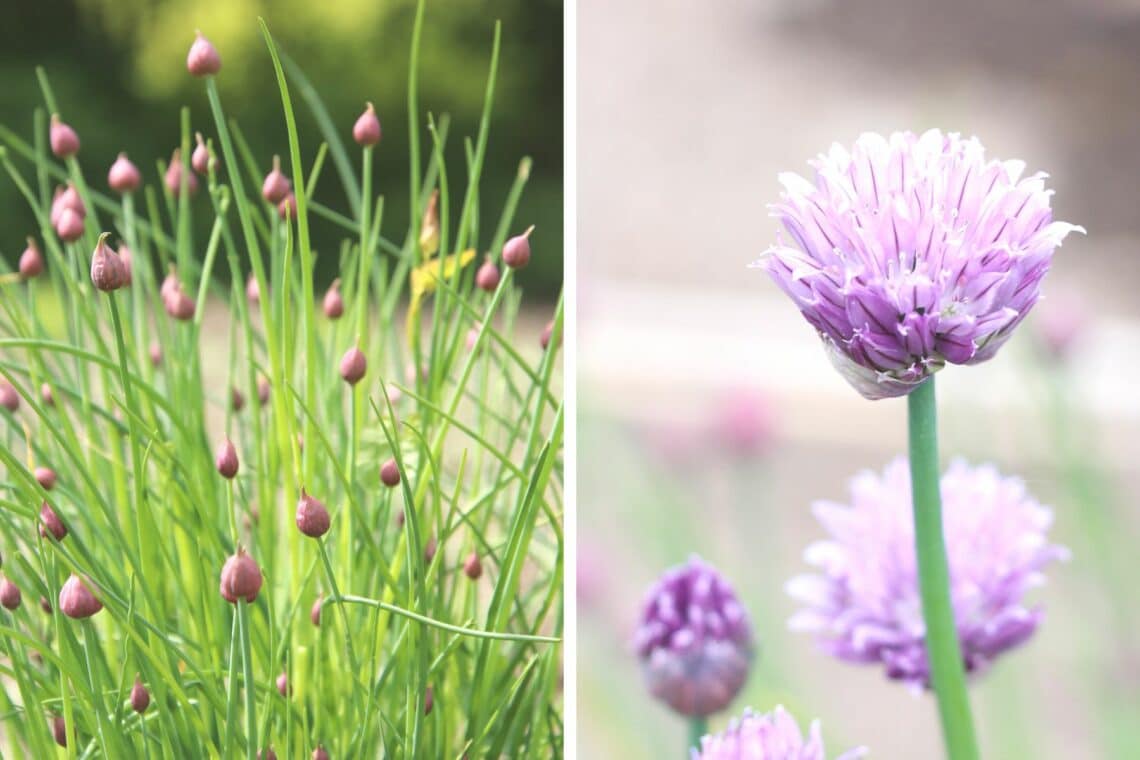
column 118, row 69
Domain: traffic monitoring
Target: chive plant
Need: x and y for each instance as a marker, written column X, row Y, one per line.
column 222, row 569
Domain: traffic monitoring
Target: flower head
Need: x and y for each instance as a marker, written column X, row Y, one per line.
column 123, row 176
column 694, row 640
column 203, row 58
column 76, row 600
column 366, row 130
column 64, row 141
column 773, row 736
column 864, row 604
column 911, row 252
column 31, row 261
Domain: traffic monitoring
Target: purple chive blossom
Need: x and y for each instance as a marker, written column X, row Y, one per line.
column 774, row 736
column 910, row 252
column 863, row 604
column 694, row 640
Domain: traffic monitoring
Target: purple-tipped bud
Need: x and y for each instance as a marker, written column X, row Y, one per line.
column 390, row 473
column 252, row 290
column 9, row 594
column 333, row 303
column 155, row 351
column 76, row 600
column 472, row 567
column 123, row 176
column 262, row 391
column 516, row 251
column 320, row 753
column 45, row 605
column 174, row 174
column 287, row 208
column 127, row 258
column 312, row 516
column 59, row 730
column 170, row 284
column 430, row 549
column 64, row 141
column 107, row 271
column 9, row 397
column 203, row 59
column 547, row 332
column 472, row 338
column 353, row 365
column 429, row 700
column 400, row 519
column 487, row 278
column 45, row 476
column 366, row 130
column 283, row 684
column 276, row 185
column 237, row 400
column 266, row 754
column 694, row 640
column 315, row 613
column 50, row 524
column 241, row 578
column 67, row 197
column 200, row 158
column 226, row 460
column 47, row 395
column 140, row 697
column 31, row 261
column 70, row 226
column 178, row 305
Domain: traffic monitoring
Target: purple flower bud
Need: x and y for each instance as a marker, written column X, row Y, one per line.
column 174, row 173
column 283, row 685
column 9, row 397
column 252, row 290
column 743, row 422
column 177, row 304
column 472, row 567
column 287, row 208
column 45, row 605
column 107, row 271
column 774, row 735
column 203, row 59
column 226, row 459
column 312, row 516
column 9, row 594
column 47, row 395
column 487, row 278
column 694, row 640
column 315, row 613
column 51, row 524
column 123, row 176
column 76, row 600
column 237, row 400
column 70, row 226
column 127, row 258
column 64, row 141
column 320, row 753
column 241, row 578
column 366, row 130
column 31, row 261
column 67, row 197
column 333, row 303
column 429, row 700
column 262, row 391
column 910, row 252
column 863, row 603
column 46, row 477
column 516, row 251
column 1061, row 323
column 430, row 549
column 276, row 186
column 155, row 351
column 266, row 754
column 472, row 338
column 59, row 730
column 390, row 473
column 547, row 332
column 140, row 697
column 200, row 158
column 353, row 366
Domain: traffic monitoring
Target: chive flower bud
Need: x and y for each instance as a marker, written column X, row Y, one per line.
column 226, row 459
column 333, row 303
column 76, row 600
column 516, row 251
column 200, row 158
column 9, row 397
column 390, row 473
column 107, row 271
column 64, row 141
column 472, row 567
column 31, row 261
column 123, row 176
column 366, row 130
column 177, row 304
column 155, row 352
column 429, row 700
column 46, row 477
column 67, row 197
column 547, row 332
column 59, row 730
column 488, row 276
column 283, row 685
column 262, row 391
column 51, row 524
column 276, row 186
column 174, row 173
column 203, row 59
column 430, row 549
column 127, row 258
column 9, row 594
column 252, row 290
column 240, row 578
column 45, row 605
column 70, row 226
column 353, row 365
column 287, row 208
column 47, row 395
column 315, row 613
column 140, row 697
column 266, row 754
column 320, row 753
column 237, row 400
column 312, row 516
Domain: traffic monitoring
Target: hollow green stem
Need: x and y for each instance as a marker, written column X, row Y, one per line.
column 247, row 677
column 943, row 651
column 698, row 727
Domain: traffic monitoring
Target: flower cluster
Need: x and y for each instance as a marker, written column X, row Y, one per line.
column 774, row 736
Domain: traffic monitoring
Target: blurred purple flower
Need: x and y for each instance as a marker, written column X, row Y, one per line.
column 773, row 736
column 911, row 251
column 864, row 603
column 744, row 422
column 1062, row 325
column 694, row 640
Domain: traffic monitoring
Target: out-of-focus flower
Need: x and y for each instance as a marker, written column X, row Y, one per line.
column 1062, row 325
column 910, row 252
column 864, row 604
column 773, row 736
column 694, row 640
column 744, row 422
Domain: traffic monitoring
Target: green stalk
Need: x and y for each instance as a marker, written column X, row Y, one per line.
column 943, row 651
column 247, row 676
column 698, row 727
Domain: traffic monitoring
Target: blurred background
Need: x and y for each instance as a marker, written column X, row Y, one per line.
column 710, row 418
column 118, row 68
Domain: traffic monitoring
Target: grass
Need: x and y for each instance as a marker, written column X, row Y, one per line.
column 476, row 431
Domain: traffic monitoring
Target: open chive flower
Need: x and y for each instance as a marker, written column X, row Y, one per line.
column 694, row 640
column 772, row 736
column 863, row 605
column 911, row 251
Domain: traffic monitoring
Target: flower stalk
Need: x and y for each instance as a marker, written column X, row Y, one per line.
column 942, row 647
